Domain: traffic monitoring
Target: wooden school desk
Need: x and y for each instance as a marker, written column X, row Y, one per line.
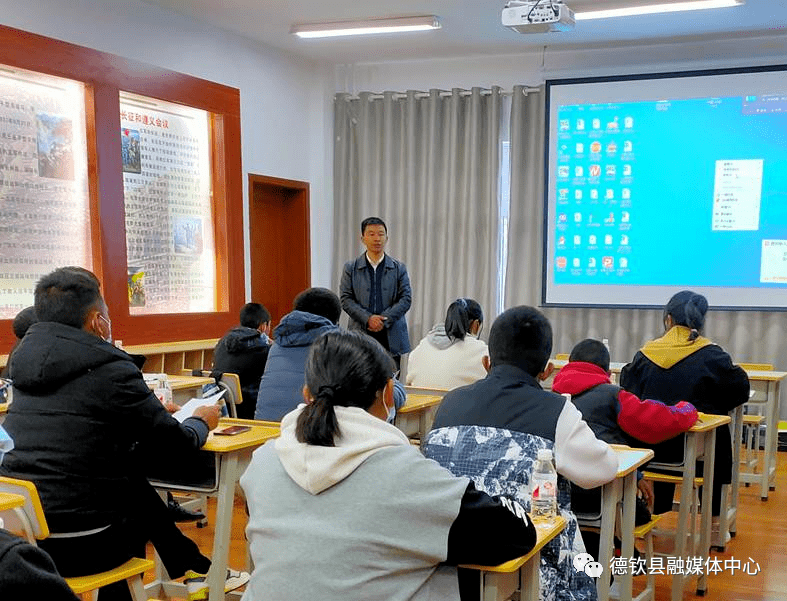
column 184, row 388
column 415, row 417
column 500, row 582
column 700, row 441
column 621, row 490
column 767, row 388
column 234, row 454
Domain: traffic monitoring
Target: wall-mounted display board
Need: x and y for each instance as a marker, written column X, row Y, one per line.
column 126, row 169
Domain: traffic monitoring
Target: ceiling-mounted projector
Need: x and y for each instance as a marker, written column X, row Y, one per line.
column 538, row 16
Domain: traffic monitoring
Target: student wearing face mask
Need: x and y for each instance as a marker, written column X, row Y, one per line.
column 343, row 508
column 81, row 408
column 451, row 354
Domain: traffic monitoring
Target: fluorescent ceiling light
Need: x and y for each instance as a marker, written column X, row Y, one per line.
column 366, row 27
column 649, row 9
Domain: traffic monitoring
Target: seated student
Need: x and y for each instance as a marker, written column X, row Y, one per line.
column 23, row 320
column 26, row 571
column 244, row 351
column 80, row 408
column 451, row 354
column 343, row 508
column 315, row 311
column 491, row 432
column 683, row 365
column 616, row 417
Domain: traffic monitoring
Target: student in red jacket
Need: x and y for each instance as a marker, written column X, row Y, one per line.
column 616, row 416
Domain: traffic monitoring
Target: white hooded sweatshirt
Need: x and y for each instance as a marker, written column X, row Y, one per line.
column 366, row 519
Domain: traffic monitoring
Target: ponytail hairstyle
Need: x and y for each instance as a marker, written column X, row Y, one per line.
column 461, row 313
column 688, row 309
column 344, row 369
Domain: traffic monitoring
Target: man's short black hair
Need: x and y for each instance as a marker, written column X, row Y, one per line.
column 591, row 351
column 521, row 336
column 372, row 221
column 23, row 320
column 252, row 315
column 66, row 296
column 319, row 301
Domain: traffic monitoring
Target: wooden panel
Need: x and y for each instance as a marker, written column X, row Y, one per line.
column 173, row 363
column 279, row 241
column 105, row 75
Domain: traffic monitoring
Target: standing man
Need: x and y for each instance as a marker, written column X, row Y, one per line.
column 375, row 291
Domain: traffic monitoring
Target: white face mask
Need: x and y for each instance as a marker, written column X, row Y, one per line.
column 391, row 413
column 109, row 328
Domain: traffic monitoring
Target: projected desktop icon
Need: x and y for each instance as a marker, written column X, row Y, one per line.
column 561, row 241
column 612, row 148
column 610, row 194
column 562, row 194
column 608, row 239
column 580, row 148
column 628, row 146
column 592, row 262
column 613, row 124
column 577, row 217
column 564, row 125
column 577, row 240
column 624, row 263
column 595, row 147
column 610, row 219
column 594, row 194
column 625, row 194
column 626, row 170
column 611, row 170
column 580, row 124
column 577, row 194
column 624, row 240
column 596, row 123
column 608, row 262
column 575, row 262
column 595, row 170
column 592, row 239
column 562, row 171
column 624, row 217
column 628, row 122
column 579, row 171
column 561, row 262
column 561, row 218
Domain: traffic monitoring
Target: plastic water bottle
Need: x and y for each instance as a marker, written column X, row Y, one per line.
column 543, row 487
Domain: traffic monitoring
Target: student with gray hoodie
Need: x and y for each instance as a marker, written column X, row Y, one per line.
column 451, row 354
column 342, row 507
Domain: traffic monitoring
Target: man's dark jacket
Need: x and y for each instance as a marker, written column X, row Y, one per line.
column 80, row 407
column 243, row 351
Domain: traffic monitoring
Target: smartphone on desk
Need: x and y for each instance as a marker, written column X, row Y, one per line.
column 232, row 430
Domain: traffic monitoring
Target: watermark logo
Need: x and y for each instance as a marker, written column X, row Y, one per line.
column 688, row 566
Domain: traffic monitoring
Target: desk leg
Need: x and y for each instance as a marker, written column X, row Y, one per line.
column 709, row 463
column 530, row 579
column 771, row 439
column 684, row 513
column 228, row 476
column 611, row 494
column 627, row 534
column 729, row 516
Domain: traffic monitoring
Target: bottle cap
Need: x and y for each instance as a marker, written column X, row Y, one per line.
column 545, row 454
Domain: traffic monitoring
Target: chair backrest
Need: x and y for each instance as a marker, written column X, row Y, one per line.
column 32, row 510
column 562, row 356
column 229, row 382
column 757, row 366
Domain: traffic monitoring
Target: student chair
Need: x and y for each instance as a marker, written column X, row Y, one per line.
column 31, row 522
column 228, row 382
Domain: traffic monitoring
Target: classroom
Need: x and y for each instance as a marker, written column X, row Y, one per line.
column 307, row 138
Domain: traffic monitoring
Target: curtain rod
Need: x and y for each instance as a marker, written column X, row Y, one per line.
column 443, row 93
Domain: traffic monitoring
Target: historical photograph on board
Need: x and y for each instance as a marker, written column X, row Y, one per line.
column 188, row 235
column 129, row 148
column 55, row 153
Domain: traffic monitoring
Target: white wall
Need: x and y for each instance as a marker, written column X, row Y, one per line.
column 282, row 112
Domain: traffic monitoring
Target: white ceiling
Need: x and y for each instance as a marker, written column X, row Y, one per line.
column 469, row 27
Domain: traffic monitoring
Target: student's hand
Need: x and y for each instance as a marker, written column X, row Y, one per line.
column 376, row 323
column 171, row 407
column 646, row 489
column 547, row 371
column 486, row 363
column 210, row 414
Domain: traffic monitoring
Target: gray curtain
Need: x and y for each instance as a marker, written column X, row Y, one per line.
column 428, row 165
column 749, row 336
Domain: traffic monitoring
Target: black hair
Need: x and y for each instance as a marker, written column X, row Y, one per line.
column 254, row 314
column 372, row 221
column 66, row 296
column 591, row 351
column 319, row 301
column 460, row 314
column 521, row 336
column 344, row 369
column 23, row 320
column 688, row 309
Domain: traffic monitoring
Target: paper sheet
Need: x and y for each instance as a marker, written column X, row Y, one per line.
column 188, row 409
